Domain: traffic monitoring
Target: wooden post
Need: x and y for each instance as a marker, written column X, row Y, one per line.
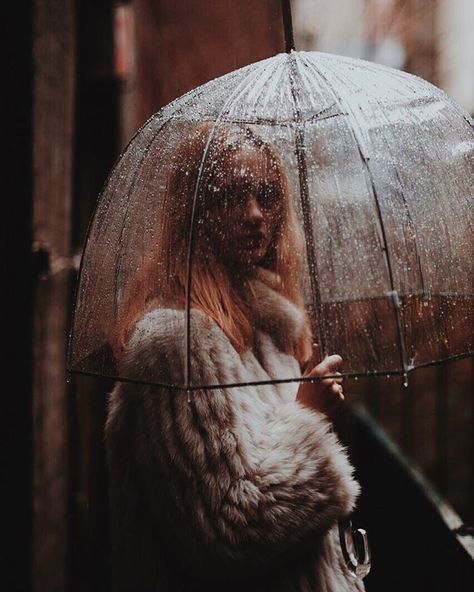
column 53, row 127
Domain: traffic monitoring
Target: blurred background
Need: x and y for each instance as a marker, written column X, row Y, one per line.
column 81, row 78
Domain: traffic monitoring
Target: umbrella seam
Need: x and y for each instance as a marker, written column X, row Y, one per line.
column 355, row 375
column 179, row 108
column 307, row 222
column 237, row 92
column 89, row 228
column 370, row 178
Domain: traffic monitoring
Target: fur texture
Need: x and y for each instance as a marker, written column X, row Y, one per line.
column 236, row 488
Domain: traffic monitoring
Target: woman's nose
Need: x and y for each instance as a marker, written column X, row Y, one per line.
column 253, row 211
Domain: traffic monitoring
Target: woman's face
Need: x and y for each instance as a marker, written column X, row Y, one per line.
column 246, row 209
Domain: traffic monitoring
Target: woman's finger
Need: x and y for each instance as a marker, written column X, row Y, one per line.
column 332, row 363
column 336, row 390
column 314, row 360
column 330, row 392
column 328, row 367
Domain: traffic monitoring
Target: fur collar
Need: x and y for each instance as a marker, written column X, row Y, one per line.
column 272, row 312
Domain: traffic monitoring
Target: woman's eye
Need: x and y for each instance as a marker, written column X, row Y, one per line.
column 223, row 200
column 234, row 197
column 268, row 196
column 218, row 197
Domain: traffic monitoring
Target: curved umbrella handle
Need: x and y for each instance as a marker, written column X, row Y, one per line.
column 355, row 549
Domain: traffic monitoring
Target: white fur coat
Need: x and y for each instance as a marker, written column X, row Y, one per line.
column 236, row 488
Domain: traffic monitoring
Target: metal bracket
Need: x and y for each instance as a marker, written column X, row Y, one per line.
column 46, row 263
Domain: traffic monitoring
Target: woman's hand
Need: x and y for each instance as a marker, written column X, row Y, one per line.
column 324, row 395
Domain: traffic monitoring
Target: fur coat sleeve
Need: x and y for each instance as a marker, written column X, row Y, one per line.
column 232, row 478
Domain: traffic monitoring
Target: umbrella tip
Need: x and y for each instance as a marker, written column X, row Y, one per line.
column 405, row 379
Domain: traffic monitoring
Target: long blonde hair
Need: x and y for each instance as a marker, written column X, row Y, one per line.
column 161, row 278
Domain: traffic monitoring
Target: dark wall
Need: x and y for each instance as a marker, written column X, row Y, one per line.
column 417, row 541
column 180, row 45
column 17, row 288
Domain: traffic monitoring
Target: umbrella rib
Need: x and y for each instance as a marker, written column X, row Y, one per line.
column 413, row 228
column 407, row 210
column 235, row 95
column 89, row 232
column 393, row 294
column 178, row 108
column 146, row 149
column 178, row 105
column 304, row 197
column 414, row 294
column 319, row 116
column 386, row 373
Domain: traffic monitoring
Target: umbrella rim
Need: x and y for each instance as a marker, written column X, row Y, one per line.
column 354, row 375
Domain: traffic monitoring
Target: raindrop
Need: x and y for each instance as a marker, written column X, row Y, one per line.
column 68, row 379
column 405, row 380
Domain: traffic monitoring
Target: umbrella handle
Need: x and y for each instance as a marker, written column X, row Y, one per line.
column 355, row 549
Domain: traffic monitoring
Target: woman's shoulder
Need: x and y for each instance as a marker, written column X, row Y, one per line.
column 168, row 326
column 157, row 344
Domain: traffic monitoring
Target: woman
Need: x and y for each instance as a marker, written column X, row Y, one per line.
column 225, row 488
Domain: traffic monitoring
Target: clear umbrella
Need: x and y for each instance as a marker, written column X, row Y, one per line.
column 370, row 173
column 365, row 177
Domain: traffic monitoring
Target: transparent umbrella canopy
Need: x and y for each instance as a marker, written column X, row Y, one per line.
column 365, row 174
